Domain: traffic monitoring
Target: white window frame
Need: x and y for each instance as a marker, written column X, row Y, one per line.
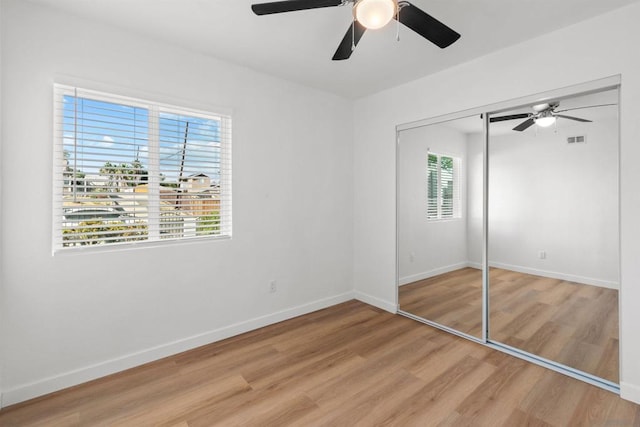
column 154, row 110
column 457, row 197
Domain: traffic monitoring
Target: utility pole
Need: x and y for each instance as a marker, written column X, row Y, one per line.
column 184, row 153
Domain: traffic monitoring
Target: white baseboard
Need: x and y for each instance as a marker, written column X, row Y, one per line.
column 98, row 370
column 376, row 302
column 557, row 275
column 431, row 273
column 630, row 392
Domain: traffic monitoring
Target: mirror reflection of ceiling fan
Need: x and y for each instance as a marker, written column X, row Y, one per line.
column 370, row 14
column 543, row 115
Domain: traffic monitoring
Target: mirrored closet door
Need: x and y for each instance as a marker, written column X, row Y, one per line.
column 508, row 227
column 439, row 207
column 553, row 231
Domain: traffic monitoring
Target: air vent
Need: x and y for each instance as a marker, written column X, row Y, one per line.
column 577, row 139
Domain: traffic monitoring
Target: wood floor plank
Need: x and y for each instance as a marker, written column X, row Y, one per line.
column 521, row 418
column 283, row 412
column 367, row 404
column 363, row 367
column 553, row 399
column 447, row 356
column 172, row 408
column 64, row 404
column 438, row 398
column 593, row 409
column 494, row 400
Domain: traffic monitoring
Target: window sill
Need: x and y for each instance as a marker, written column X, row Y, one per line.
column 445, row 219
column 97, row 249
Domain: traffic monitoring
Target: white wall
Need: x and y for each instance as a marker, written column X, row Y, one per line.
column 548, row 195
column 597, row 48
column 475, row 196
column 70, row 318
column 427, row 248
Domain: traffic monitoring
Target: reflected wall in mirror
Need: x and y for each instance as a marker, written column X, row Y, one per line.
column 439, row 180
column 553, row 233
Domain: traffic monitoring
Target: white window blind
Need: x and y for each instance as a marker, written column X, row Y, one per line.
column 128, row 170
column 443, row 187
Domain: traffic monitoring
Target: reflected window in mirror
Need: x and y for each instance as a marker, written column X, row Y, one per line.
column 443, row 187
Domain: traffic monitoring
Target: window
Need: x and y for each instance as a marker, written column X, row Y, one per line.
column 128, row 170
column 443, row 188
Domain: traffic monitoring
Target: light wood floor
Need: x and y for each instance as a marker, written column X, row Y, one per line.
column 349, row 365
column 570, row 323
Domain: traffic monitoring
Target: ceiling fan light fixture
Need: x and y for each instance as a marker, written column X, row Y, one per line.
column 374, row 14
column 545, row 119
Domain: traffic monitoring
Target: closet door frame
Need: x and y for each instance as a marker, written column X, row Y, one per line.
column 607, row 83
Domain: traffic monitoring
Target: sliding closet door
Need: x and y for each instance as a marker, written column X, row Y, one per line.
column 553, row 232
column 439, row 208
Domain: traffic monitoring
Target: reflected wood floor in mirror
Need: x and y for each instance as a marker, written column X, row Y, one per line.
column 451, row 299
column 350, row 364
column 570, row 323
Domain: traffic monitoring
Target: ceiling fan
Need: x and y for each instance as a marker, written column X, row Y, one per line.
column 370, row 14
column 543, row 115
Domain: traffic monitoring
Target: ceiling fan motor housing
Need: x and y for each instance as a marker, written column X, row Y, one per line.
column 380, row 12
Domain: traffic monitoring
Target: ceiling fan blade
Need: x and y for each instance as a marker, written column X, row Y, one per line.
column 510, row 117
column 580, row 108
column 349, row 41
column 525, row 125
column 426, row 25
column 577, row 119
column 291, row 5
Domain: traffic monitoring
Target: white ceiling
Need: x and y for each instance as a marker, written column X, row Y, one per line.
column 298, row 46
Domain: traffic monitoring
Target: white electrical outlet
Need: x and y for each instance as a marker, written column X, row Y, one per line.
column 542, row 254
column 273, row 286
